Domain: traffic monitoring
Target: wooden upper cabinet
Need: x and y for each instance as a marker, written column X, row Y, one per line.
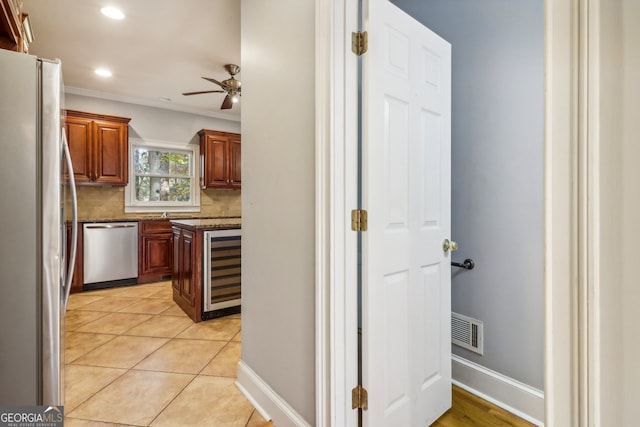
column 216, row 161
column 99, row 148
column 235, row 161
column 220, row 159
column 11, row 26
column 111, row 152
column 78, row 136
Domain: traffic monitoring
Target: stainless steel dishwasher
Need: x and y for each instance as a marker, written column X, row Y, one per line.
column 110, row 254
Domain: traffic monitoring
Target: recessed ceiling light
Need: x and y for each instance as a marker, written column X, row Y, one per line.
column 103, row 72
column 112, row 12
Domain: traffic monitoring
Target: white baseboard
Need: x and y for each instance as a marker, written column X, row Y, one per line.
column 266, row 401
column 507, row 393
column 518, row 398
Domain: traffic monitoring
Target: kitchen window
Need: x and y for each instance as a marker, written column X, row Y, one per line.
column 162, row 177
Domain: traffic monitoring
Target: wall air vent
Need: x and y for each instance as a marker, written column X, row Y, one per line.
column 466, row 332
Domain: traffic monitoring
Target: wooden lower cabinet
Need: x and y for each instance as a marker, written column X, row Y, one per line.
column 78, row 274
column 187, row 274
column 188, row 267
column 155, row 246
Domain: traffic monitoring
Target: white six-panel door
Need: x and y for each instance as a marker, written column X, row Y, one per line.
column 406, row 191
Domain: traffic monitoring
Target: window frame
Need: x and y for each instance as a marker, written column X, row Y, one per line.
column 131, row 205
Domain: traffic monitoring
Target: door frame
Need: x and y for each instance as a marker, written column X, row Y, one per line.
column 336, row 196
column 570, row 356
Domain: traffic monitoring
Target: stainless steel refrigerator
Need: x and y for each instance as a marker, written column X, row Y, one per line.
column 34, row 279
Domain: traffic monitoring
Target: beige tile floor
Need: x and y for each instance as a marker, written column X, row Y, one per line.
column 133, row 358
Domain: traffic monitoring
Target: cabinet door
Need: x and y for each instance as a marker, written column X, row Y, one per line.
column 78, row 275
column 187, row 292
column 110, row 153
column 79, row 136
column 155, row 257
column 215, row 167
column 176, row 277
column 235, row 170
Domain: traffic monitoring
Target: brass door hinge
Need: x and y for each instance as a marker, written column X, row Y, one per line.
column 359, row 42
column 359, row 220
column 359, row 398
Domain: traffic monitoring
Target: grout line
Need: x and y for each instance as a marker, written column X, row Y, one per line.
column 250, row 416
column 102, row 388
column 69, row 362
column 174, row 398
column 107, row 295
column 86, row 322
column 213, row 357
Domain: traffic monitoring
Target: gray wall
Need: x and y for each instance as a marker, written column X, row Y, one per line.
column 278, row 193
column 614, row 256
column 150, row 122
column 619, row 208
column 630, row 202
column 497, row 166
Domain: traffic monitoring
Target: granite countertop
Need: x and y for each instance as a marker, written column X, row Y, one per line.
column 209, row 223
column 237, row 219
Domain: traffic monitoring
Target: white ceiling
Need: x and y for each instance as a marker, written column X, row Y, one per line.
column 161, row 49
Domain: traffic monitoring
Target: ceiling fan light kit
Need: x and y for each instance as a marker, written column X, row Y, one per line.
column 231, row 86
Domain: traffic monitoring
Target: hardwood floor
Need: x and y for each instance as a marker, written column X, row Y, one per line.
column 470, row 410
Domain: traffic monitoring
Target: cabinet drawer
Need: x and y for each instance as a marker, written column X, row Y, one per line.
column 155, row 226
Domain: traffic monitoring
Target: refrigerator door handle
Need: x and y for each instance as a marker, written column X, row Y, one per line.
column 74, row 221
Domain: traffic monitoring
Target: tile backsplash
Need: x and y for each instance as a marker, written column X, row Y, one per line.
column 104, row 203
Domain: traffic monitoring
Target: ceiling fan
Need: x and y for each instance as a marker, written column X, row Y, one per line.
column 230, row 86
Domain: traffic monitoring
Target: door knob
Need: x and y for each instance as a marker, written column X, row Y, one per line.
column 449, row 245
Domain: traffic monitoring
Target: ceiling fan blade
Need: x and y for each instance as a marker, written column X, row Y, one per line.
column 203, row 91
column 222, row 85
column 227, row 103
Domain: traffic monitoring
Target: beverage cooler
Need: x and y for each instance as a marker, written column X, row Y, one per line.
column 221, row 271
